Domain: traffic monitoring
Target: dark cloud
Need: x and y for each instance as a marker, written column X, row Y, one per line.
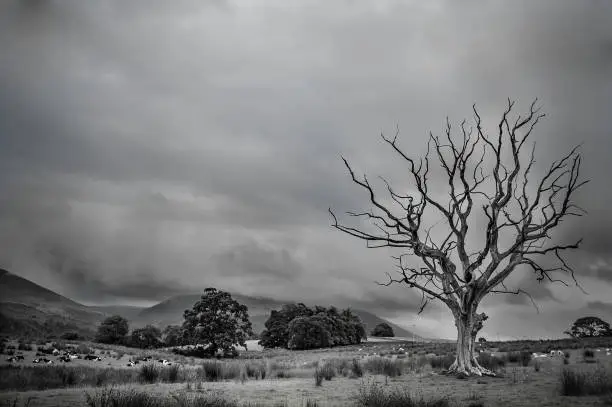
column 604, row 308
column 154, row 146
column 257, row 263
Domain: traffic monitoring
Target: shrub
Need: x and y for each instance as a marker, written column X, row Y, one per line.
column 328, row 371
column 24, row 378
column 111, row 397
column 442, row 362
column 24, row 346
column 84, row 349
column 318, row 376
column 490, row 362
column 525, row 358
column 374, row 395
column 214, row 371
column 256, row 370
column 149, row 373
column 170, row 374
column 356, row 369
column 378, row 365
column 585, row 383
column 588, row 353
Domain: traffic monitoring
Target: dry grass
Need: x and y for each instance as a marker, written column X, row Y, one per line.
column 281, row 377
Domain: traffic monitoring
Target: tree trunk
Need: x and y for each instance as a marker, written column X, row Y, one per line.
column 468, row 325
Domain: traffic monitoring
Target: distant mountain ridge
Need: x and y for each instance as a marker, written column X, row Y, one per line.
column 26, row 307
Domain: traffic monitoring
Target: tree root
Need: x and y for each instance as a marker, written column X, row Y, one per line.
column 465, row 371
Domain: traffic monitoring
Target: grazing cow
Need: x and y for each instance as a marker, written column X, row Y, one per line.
column 11, row 359
column 130, row 363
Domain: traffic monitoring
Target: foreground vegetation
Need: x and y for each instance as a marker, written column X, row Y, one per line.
column 368, row 374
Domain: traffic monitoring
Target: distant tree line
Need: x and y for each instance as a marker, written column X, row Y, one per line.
column 296, row 326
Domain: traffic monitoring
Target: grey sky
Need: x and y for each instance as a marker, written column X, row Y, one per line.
column 149, row 148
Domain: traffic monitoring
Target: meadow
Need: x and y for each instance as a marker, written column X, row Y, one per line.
column 388, row 373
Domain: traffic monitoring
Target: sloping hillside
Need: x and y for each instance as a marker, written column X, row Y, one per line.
column 29, row 309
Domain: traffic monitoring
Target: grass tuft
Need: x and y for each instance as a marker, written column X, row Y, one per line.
column 593, row 382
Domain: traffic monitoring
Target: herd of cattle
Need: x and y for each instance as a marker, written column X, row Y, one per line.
column 64, row 356
column 67, row 356
column 554, row 353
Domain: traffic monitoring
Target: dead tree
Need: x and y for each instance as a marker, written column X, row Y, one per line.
column 485, row 173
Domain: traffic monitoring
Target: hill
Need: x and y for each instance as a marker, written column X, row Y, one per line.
column 27, row 308
column 170, row 311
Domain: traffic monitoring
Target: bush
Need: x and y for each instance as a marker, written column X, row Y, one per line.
column 170, row 374
column 442, row 362
column 328, row 371
column 318, row 375
column 256, row 371
column 387, row 367
column 490, row 362
column 24, row 378
column 24, row 346
column 588, row 353
column 374, row 395
column 84, row 349
column 585, row 383
column 149, row 373
column 356, row 369
column 111, row 397
column 214, row 371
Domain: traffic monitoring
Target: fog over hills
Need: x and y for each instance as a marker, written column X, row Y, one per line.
column 28, row 308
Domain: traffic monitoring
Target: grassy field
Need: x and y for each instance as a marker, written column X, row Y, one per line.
column 371, row 374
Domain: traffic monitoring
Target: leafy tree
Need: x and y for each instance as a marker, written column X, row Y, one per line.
column 329, row 326
column 382, row 329
column 172, row 335
column 488, row 177
column 587, row 327
column 218, row 322
column 276, row 334
column 112, row 330
column 482, row 340
column 146, row 338
column 308, row 333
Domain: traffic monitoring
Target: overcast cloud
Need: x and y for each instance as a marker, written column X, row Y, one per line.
column 149, row 148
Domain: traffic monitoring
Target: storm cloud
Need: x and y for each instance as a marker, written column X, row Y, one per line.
column 152, row 148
